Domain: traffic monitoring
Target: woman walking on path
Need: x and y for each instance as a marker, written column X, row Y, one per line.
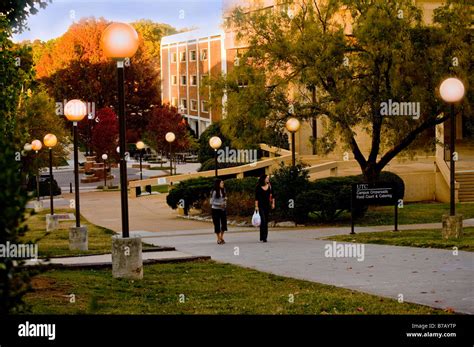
column 218, row 205
column 264, row 200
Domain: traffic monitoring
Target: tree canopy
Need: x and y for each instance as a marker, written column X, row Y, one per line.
column 356, row 55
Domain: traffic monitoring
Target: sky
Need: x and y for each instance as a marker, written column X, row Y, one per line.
column 53, row 21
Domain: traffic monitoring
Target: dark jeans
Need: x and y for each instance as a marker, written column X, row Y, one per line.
column 219, row 218
column 264, row 212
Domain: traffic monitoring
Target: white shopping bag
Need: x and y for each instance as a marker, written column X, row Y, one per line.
column 256, row 220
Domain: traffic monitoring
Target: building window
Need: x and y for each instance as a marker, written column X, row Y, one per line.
column 174, row 80
column 204, row 54
column 184, row 104
column 204, row 106
column 194, row 105
column 182, row 56
column 194, row 80
column 174, row 102
column 183, row 80
column 192, row 55
column 173, row 57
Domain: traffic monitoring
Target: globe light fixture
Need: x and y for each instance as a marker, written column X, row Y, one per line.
column 50, row 140
column 215, row 142
column 170, row 137
column 452, row 91
column 36, row 145
column 140, row 146
column 75, row 111
column 293, row 125
column 120, row 41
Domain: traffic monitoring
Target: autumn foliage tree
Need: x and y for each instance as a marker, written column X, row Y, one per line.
column 165, row 119
column 74, row 66
column 105, row 134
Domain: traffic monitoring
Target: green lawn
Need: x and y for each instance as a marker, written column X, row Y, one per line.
column 208, row 288
column 164, row 168
column 56, row 243
column 411, row 213
column 413, row 238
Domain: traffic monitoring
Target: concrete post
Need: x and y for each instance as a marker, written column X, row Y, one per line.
column 78, row 240
column 127, row 257
column 52, row 222
column 452, row 226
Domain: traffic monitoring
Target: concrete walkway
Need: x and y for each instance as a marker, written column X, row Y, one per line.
column 433, row 277
column 105, row 260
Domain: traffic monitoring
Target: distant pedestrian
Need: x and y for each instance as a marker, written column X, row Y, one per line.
column 219, row 214
column 264, row 200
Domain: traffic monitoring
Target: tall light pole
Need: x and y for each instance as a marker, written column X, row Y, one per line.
column 50, row 140
column 140, row 145
column 452, row 91
column 293, row 125
column 120, row 42
column 75, row 111
column 170, row 137
column 36, row 146
column 104, row 158
column 215, row 142
column 52, row 221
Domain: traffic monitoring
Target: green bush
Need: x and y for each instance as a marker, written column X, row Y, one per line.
column 287, row 182
column 196, row 192
column 205, row 151
column 327, row 198
column 192, row 192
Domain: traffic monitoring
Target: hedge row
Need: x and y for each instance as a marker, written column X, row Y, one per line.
column 297, row 198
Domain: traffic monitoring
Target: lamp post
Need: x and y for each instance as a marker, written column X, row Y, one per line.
column 104, row 158
column 140, row 145
column 75, row 111
column 50, row 140
column 452, row 91
column 170, row 137
column 215, row 142
column 52, row 221
column 36, row 145
column 120, row 41
column 293, row 125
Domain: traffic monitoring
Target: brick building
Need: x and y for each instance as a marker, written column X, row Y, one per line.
column 186, row 58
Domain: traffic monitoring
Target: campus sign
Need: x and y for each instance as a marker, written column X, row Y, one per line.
column 383, row 193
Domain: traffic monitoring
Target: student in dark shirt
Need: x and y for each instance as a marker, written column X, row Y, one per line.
column 264, row 200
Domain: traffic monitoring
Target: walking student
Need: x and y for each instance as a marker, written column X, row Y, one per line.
column 219, row 215
column 264, row 200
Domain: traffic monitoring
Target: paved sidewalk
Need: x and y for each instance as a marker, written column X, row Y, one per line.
column 106, row 259
column 433, row 277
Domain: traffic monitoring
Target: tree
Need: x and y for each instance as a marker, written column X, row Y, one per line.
column 15, row 79
column 205, row 151
column 74, row 66
column 37, row 117
column 16, row 12
column 105, row 135
column 356, row 55
column 166, row 119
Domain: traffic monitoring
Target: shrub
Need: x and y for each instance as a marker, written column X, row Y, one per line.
column 193, row 192
column 287, row 182
column 196, row 192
